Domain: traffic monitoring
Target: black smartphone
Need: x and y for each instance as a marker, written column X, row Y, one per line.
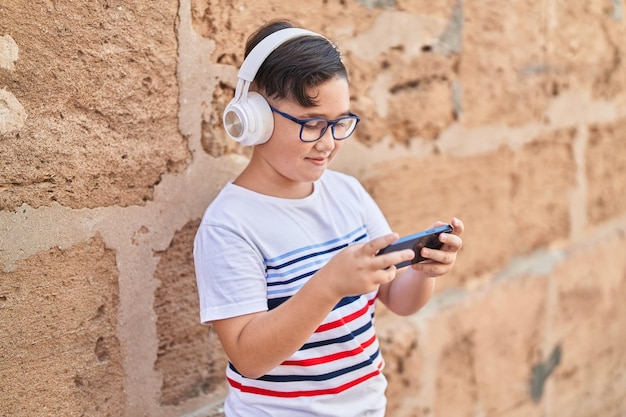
column 428, row 238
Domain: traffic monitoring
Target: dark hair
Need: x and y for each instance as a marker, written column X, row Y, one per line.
column 296, row 65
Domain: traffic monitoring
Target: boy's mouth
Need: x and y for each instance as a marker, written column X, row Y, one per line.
column 318, row 160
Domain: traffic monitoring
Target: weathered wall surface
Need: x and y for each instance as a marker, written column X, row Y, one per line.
column 509, row 115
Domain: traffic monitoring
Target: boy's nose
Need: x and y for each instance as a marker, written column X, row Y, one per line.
column 326, row 141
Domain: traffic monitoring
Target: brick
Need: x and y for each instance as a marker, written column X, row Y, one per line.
column 100, row 101
column 610, row 84
column 485, row 349
column 413, row 193
column 583, row 52
column 502, row 77
column 401, row 83
column 424, row 87
column 605, row 165
column 442, row 9
column 566, row 46
column 473, row 356
column 544, row 173
column 58, row 318
column 588, row 322
column 399, row 341
column 189, row 357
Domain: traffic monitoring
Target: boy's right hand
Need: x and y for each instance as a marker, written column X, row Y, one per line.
column 357, row 270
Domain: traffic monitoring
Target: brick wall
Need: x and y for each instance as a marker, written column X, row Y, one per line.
column 509, row 115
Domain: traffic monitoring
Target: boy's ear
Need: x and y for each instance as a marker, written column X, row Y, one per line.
column 249, row 120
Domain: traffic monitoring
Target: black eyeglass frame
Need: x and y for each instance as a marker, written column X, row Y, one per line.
column 331, row 123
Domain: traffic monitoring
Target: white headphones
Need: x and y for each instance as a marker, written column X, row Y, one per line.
column 248, row 118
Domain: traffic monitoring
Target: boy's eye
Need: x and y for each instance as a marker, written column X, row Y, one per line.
column 315, row 124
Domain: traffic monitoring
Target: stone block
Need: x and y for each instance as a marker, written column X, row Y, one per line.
column 583, row 52
column 100, row 94
column 473, row 357
column 501, row 76
column 58, row 321
column 190, row 357
column 566, row 46
column 610, row 82
column 414, row 193
column 484, row 350
column 605, row 165
column 442, row 9
column 420, row 98
column 400, row 347
column 590, row 324
column 403, row 83
column 544, row 174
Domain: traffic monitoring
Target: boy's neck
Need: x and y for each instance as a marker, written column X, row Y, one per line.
column 276, row 186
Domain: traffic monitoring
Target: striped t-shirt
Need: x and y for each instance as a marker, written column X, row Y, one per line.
column 252, row 252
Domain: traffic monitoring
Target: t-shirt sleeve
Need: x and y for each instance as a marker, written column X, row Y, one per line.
column 230, row 274
column 374, row 219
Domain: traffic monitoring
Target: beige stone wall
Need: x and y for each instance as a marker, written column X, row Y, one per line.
column 510, row 115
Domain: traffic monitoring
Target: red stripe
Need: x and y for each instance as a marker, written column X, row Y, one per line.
column 311, row 393
column 333, row 357
column 347, row 319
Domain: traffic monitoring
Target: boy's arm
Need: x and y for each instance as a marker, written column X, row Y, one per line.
column 256, row 343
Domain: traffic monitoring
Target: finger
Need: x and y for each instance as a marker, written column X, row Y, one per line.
column 389, row 274
column 439, row 256
column 458, row 226
column 451, row 242
column 373, row 246
column 390, row 259
column 432, row 269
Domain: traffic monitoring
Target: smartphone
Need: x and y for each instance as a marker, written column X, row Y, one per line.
column 428, row 238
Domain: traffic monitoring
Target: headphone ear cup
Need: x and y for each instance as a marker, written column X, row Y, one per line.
column 249, row 121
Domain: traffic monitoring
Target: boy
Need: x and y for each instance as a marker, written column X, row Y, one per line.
column 285, row 255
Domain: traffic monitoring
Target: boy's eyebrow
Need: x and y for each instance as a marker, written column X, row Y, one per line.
column 314, row 115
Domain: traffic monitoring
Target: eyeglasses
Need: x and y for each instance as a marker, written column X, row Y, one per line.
column 313, row 129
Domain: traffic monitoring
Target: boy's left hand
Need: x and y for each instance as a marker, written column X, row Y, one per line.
column 441, row 261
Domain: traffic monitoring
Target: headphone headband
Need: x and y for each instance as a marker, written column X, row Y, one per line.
column 248, row 118
column 259, row 53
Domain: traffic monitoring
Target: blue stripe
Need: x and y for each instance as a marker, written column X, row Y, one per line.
column 347, row 300
column 294, row 279
column 300, row 268
column 292, row 290
column 311, row 255
column 308, row 265
column 319, row 245
column 342, row 339
column 322, row 377
column 275, row 302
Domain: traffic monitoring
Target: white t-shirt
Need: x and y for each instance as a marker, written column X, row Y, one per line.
column 252, row 252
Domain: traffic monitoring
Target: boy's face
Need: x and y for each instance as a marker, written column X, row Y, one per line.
column 285, row 159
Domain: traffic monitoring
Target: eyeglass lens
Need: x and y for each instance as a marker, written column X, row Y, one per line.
column 314, row 129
